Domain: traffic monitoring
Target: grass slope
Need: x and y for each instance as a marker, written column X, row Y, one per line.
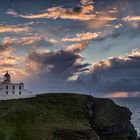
column 37, row 118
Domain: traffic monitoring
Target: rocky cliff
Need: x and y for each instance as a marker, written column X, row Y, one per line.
column 65, row 117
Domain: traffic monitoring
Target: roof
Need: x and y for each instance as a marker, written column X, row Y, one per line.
column 7, row 74
column 2, row 83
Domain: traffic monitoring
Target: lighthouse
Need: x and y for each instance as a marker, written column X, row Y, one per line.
column 7, row 78
column 10, row 90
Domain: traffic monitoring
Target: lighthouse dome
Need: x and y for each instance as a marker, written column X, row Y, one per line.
column 7, row 74
column 7, row 78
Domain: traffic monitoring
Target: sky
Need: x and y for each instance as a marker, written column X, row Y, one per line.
column 82, row 46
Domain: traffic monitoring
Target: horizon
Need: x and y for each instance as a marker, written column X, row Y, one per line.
column 85, row 46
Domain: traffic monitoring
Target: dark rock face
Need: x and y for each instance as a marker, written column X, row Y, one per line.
column 107, row 121
column 110, row 121
column 67, row 134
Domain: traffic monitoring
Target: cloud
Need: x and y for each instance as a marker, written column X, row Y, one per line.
column 133, row 21
column 5, row 48
column 57, row 12
column 54, row 68
column 27, row 40
column 61, row 63
column 83, row 13
column 82, row 37
column 10, row 62
column 63, row 70
column 11, row 12
column 20, row 40
column 131, row 18
column 76, row 47
column 62, row 67
column 15, row 29
column 114, row 75
column 123, row 94
column 84, row 2
column 118, row 94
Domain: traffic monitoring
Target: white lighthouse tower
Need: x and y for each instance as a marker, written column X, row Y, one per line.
column 9, row 90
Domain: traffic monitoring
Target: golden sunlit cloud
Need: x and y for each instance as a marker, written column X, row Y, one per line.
column 118, row 26
column 107, row 63
column 84, row 2
column 100, row 20
column 82, row 37
column 64, row 14
column 117, row 94
column 87, row 9
column 22, row 41
column 76, row 47
column 9, row 62
column 131, row 18
column 83, row 13
column 135, row 52
column 59, row 12
column 26, row 40
column 7, row 28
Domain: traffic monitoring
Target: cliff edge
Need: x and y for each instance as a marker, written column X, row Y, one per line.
column 65, row 117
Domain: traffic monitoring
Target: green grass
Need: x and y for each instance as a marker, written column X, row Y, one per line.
column 37, row 118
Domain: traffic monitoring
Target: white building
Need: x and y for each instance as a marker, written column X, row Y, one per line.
column 9, row 90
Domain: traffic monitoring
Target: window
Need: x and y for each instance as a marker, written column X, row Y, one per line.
column 13, row 87
column 20, row 92
column 6, row 92
column 20, row 87
column 6, row 86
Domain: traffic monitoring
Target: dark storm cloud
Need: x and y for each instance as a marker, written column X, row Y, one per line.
column 107, row 77
column 55, row 67
column 120, row 74
column 58, row 65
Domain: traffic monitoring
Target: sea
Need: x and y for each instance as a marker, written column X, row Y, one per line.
column 134, row 105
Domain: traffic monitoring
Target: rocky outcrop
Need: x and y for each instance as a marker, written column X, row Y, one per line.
column 110, row 121
column 107, row 121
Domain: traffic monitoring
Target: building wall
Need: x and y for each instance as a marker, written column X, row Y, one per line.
column 14, row 91
column 8, row 89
